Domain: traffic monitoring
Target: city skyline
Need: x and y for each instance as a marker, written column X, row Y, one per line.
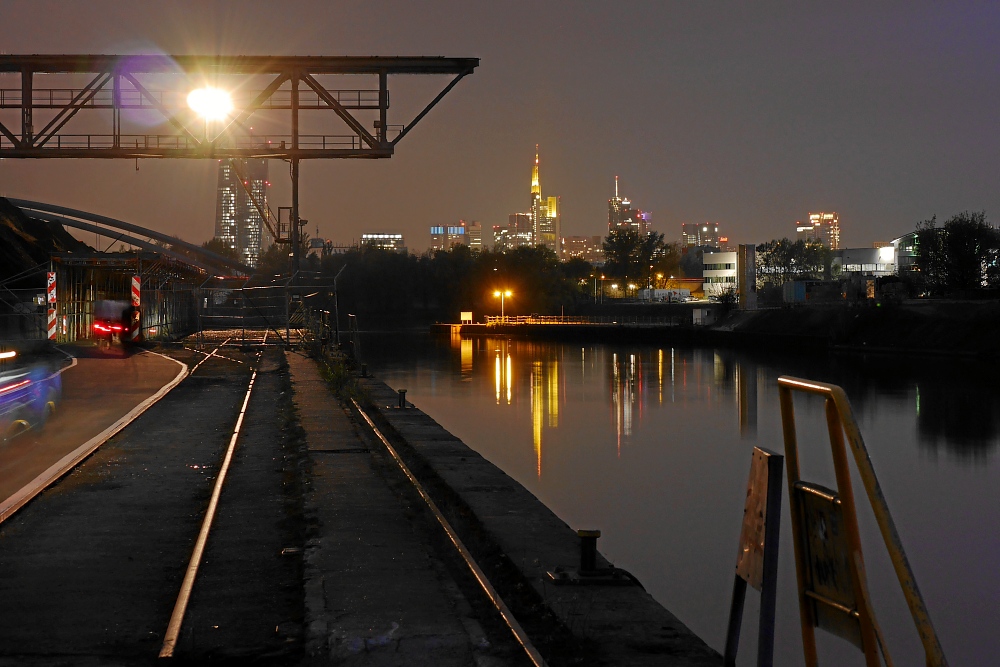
column 733, row 114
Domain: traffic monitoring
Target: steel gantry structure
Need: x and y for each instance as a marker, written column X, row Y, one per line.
column 136, row 106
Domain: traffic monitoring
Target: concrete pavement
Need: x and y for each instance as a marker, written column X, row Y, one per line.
column 376, row 591
column 97, row 393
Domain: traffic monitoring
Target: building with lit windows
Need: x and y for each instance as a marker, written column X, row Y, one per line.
column 822, row 227
column 237, row 221
column 621, row 215
column 446, row 237
column 518, row 231
column 587, row 248
column 384, row 241
column 704, row 234
column 720, row 272
column 546, row 222
column 475, row 232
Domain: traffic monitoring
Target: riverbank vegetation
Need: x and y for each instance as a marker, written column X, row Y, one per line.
column 960, row 256
column 391, row 289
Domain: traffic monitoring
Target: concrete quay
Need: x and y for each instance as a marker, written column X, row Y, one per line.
column 376, row 589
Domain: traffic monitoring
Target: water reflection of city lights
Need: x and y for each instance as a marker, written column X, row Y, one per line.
column 504, row 375
column 537, row 411
column 466, row 348
column 496, row 374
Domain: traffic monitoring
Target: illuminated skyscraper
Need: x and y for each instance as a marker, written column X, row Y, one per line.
column 475, row 233
column 237, row 222
column 446, row 237
column 517, row 232
column 705, row 234
column 822, row 227
column 545, row 219
column 621, row 215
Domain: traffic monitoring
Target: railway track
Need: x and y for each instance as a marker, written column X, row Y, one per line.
column 92, row 568
column 183, row 536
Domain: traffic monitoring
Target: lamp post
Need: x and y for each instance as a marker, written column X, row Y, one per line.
column 502, row 294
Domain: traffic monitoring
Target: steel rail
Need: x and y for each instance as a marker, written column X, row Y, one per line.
column 210, row 355
column 519, row 634
column 184, row 596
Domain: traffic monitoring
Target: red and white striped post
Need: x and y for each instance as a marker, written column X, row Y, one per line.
column 136, row 282
column 51, row 299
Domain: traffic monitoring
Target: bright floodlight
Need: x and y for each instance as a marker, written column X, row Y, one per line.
column 210, row 103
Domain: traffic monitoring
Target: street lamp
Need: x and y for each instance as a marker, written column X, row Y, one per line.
column 502, row 295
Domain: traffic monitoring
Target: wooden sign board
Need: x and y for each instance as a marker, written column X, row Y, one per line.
column 750, row 560
column 757, row 560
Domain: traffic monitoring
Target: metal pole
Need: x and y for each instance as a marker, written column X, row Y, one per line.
column 295, row 174
column 295, row 216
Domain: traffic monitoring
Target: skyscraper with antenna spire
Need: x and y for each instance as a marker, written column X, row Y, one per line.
column 621, row 215
column 545, row 217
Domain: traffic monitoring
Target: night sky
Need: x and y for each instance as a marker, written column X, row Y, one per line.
column 748, row 114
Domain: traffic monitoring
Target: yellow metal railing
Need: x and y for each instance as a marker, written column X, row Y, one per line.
column 805, row 497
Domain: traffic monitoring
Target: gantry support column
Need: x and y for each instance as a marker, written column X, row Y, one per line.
column 295, row 174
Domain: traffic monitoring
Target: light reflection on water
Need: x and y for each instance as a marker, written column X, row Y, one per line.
column 652, row 446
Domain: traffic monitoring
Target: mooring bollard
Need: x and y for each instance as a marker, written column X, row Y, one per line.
column 402, row 398
column 588, row 549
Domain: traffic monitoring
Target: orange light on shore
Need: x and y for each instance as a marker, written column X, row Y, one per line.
column 506, row 294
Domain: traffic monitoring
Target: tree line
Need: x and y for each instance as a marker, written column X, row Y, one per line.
column 961, row 255
column 385, row 288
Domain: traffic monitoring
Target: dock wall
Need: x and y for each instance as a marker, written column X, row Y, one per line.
column 624, row 624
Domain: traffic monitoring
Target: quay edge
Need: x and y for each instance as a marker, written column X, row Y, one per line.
column 624, row 623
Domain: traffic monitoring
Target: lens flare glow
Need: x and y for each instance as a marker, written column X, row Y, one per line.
column 210, row 103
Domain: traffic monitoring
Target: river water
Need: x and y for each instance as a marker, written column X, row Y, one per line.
column 652, row 446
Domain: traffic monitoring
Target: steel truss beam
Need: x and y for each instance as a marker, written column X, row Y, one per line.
column 116, row 83
column 193, row 254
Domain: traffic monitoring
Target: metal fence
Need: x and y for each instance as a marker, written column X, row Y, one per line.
column 168, row 312
column 244, row 308
column 22, row 314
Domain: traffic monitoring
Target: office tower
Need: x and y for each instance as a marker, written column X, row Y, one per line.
column 518, row 231
column 822, row 227
column 446, row 237
column 384, row 241
column 588, row 248
column 704, row 234
column 475, row 233
column 237, row 221
column 621, row 215
column 546, row 222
